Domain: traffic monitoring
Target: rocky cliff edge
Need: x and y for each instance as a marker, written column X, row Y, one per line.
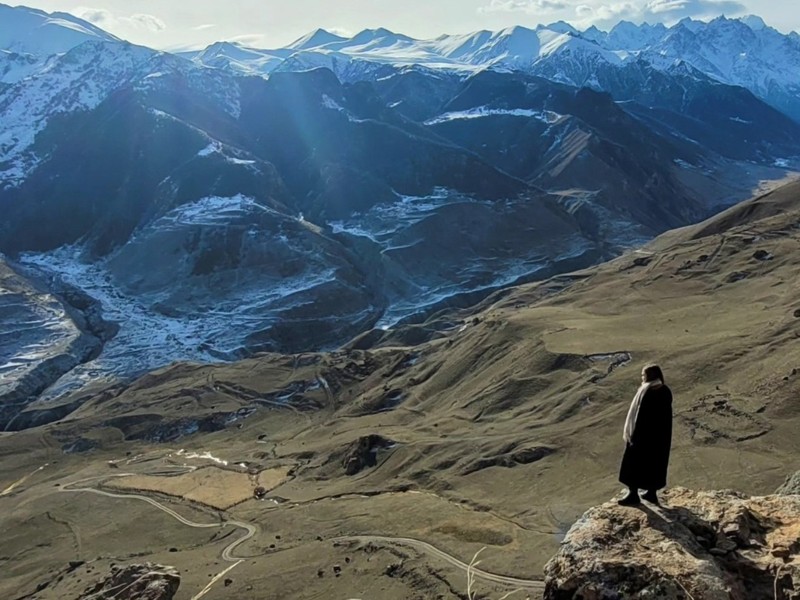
column 718, row 545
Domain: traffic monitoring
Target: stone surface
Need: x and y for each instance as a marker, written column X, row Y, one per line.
column 790, row 486
column 362, row 453
column 136, row 582
column 698, row 546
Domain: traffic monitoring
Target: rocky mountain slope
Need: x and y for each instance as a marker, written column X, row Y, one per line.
column 278, row 236
column 381, row 468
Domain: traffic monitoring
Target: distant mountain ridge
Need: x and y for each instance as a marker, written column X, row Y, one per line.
column 744, row 52
column 741, row 51
column 29, row 37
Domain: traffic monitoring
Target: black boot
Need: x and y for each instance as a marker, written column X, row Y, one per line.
column 651, row 497
column 632, row 499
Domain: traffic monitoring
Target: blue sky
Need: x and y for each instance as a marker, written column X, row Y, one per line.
column 173, row 24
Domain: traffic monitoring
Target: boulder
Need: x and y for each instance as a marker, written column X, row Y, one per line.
column 136, row 582
column 717, row 545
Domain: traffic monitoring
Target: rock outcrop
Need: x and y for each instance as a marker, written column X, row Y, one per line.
column 136, row 582
column 363, row 453
column 697, row 546
column 791, row 486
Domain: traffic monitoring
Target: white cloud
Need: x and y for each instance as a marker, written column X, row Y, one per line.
column 120, row 24
column 693, row 8
column 527, row 6
column 149, row 22
column 251, row 40
column 204, row 27
column 99, row 16
column 609, row 12
column 341, row 31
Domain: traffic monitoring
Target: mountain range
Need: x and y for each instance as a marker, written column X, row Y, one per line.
column 208, row 203
column 742, row 52
column 329, row 320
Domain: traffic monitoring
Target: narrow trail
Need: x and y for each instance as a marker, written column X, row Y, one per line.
column 227, row 553
column 216, row 578
column 326, row 386
column 425, row 547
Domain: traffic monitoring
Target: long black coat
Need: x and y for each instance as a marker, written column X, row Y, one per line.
column 646, row 458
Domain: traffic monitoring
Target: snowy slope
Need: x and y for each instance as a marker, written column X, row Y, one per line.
column 29, row 31
column 15, row 66
column 80, row 80
column 315, row 39
column 240, row 59
column 744, row 52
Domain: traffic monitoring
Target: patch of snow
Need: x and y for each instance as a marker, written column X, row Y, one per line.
column 329, row 102
column 149, row 339
column 208, row 150
column 41, row 34
column 683, row 164
column 211, row 211
column 545, row 116
column 511, row 272
column 201, row 456
column 63, row 87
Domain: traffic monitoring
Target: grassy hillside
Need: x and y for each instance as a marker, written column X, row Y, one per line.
column 497, row 427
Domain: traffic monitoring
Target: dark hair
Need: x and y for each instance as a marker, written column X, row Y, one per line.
column 653, row 372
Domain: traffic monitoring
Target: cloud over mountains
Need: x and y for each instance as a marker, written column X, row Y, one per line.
column 602, row 12
column 115, row 23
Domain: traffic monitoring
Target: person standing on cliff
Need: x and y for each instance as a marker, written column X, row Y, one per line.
column 648, row 438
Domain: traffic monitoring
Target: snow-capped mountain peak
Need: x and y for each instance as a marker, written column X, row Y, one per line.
column 370, row 39
column 560, row 27
column 691, row 24
column 315, row 39
column 35, row 32
column 743, row 51
column 754, row 22
column 627, row 36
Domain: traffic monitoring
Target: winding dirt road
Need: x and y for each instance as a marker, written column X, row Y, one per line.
column 227, row 552
column 425, row 547
column 250, row 530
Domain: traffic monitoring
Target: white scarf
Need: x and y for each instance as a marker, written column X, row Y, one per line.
column 633, row 411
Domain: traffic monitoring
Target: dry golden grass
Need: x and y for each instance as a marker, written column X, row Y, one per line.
column 492, row 385
column 210, row 486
